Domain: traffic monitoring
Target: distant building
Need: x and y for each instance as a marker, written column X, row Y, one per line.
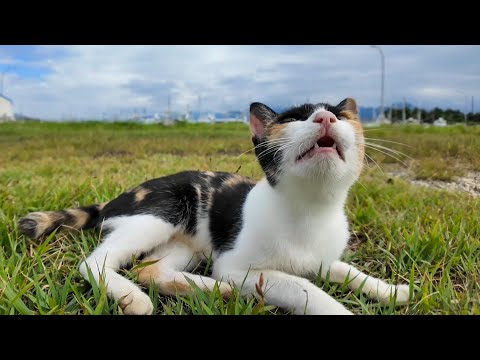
column 385, row 120
column 6, row 109
column 440, row 122
column 206, row 118
column 412, row 120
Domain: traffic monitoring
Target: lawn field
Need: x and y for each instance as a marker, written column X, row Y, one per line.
column 401, row 232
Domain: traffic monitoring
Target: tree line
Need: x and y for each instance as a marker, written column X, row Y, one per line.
column 450, row 115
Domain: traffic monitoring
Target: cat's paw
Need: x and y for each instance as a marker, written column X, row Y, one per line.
column 332, row 307
column 136, row 303
column 324, row 311
column 344, row 311
column 402, row 293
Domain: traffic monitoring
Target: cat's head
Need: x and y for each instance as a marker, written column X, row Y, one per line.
column 318, row 142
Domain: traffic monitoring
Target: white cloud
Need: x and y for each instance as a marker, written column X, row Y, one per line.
column 90, row 80
column 437, row 92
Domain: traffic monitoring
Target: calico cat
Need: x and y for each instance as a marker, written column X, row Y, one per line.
column 282, row 229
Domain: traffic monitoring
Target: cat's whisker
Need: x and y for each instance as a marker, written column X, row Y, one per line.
column 272, row 148
column 388, row 141
column 387, row 154
column 263, row 143
column 300, row 151
column 371, row 158
column 283, row 148
column 396, row 152
column 358, row 181
column 379, row 129
column 247, row 151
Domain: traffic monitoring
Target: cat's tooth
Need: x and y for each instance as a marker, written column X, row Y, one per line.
column 334, row 145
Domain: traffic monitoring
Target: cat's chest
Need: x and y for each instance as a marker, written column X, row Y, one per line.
column 297, row 246
column 305, row 246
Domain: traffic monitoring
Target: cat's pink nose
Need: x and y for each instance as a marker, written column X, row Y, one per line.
column 325, row 116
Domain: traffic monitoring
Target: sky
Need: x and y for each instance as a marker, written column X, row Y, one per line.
column 91, row 81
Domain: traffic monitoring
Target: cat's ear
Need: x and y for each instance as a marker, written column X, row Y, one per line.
column 260, row 116
column 348, row 104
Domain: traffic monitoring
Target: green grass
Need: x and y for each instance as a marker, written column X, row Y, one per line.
column 401, row 232
column 433, row 153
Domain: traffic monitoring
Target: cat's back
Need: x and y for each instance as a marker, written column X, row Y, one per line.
column 188, row 198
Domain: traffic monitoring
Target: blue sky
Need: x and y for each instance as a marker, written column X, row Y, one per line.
column 87, row 81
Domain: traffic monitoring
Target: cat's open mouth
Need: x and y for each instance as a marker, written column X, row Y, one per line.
column 323, row 145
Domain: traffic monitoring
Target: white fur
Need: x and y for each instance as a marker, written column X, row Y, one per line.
column 289, row 232
column 131, row 236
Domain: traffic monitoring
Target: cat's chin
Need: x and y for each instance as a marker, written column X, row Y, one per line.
column 324, row 167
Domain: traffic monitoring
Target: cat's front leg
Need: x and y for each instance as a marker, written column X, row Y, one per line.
column 372, row 287
column 287, row 291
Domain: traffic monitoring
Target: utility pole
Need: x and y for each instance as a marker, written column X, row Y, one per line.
column 2, row 77
column 168, row 108
column 404, row 113
column 1, row 82
column 419, row 114
column 199, row 107
column 382, row 115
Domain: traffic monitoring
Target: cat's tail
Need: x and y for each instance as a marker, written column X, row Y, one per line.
column 42, row 223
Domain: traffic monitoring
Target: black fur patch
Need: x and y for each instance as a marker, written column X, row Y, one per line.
column 172, row 198
column 28, row 227
column 336, row 110
column 226, row 214
column 297, row 113
column 93, row 216
column 270, row 160
column 303, row 112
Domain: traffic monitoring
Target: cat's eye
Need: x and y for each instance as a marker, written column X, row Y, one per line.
column 287, row 120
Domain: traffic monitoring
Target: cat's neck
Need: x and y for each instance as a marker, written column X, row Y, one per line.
column 306, row 196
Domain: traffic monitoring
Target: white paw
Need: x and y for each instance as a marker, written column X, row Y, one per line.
column 326, row 311
column 136, row 303
column 330, row 307
column 402, row 294
column 344, row 311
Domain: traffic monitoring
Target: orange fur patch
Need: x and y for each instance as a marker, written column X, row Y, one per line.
column 150, row 272
column 140, row 194
column 354, row 120
column 182, row 238
column 276, row 131
column 44, row 220
column 233, row 181
column 81, row 217
column 174, row 287
column 101, row 206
